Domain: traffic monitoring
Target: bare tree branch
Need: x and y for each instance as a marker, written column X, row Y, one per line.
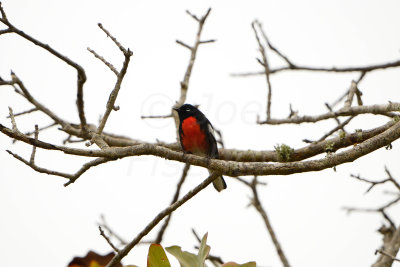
column 358, row 92
column 378, row 210
column 390, row 177
column 274, row 49
column 102, row 59
column 352, row 91
column 258, row 206
column 120, row 77
column 174, row 199
column 24, row 112
column 32, row 100
column 112, row 233
column 339, row 127
column 183, row 44
column 185, row 82
column 32, row 160
column 264, row 62
column 298, row 67
column 227, row 167
column 3, row 15
column 81, row 79
column 159, row 217
column 108, row 240
column 13, row 123
column 391, row 235
column 244, row 156
column 156, row 116
column 72, row 177
column 374, row 183
column 42, row 128
column 386, row 254
column 382, row 109
column 231, row 162
column 391, row 249
column 123, row 49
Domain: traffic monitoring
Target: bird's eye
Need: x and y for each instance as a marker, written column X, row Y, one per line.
column 188, row 109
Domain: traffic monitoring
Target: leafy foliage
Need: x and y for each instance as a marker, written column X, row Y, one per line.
column 158, row 258
column 92, row 259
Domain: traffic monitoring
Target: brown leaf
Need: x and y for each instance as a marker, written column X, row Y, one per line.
column 92, row 259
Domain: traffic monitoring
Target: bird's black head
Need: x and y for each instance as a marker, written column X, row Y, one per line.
column 186, row 111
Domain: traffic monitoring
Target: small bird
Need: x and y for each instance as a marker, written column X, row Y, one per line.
column 196, row 136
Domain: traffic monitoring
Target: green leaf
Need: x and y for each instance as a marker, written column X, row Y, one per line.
column 203, row 250
column 157, row 257
column 233, row 264
column 187, row 259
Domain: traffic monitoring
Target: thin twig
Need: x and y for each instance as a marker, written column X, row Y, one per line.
column 331, row 110
column 108, row 240
column 386, row 254
column 352, row 91
column 72, row 177
column 111, row 232
column 373, row 183
column 352, row 111
column 297, row 67
column 156, row 116
column 394, row 182
column 42, row 128
column 265, row 64
column 358, row 92
column 102, row 59
column 81, row 75
column 69, row 140
column 381, row 210
column 391, row 248
column 123, row 49
column 258, row 206
column 3, row 13
column 208, row 41
column 192, row 15
column 5, row 31
column 32, row 160
column 13, row 123
column 279, row 53
column 346, row 93
column 339, row 127
column 38, row 105
column 24, row 112
column 292, row 113
column 183, row 44
column 113, row 96
column 193, row 49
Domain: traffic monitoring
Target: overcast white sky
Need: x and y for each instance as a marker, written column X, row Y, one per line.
column 44, row 224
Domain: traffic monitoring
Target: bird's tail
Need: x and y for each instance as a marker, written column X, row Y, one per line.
column 219, row 183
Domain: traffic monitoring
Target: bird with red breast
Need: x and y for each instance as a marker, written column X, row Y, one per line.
column 196, row 135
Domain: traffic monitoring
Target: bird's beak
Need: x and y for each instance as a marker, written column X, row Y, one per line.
column 176, row 109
